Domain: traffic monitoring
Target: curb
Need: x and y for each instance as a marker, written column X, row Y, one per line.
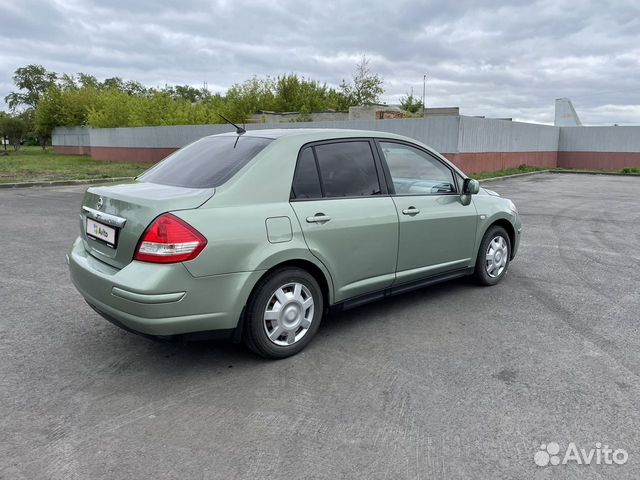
column 513, row 175
column 54, row 183
column 595, row 172
column 580, row 172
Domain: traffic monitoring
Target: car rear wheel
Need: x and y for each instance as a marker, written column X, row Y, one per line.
column 283, row 313
column 493, row 256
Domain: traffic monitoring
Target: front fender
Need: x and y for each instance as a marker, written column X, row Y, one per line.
column 490, row 212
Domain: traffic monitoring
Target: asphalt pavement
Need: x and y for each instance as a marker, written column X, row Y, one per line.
column 452, row 381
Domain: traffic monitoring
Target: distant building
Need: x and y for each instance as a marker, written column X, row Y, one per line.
column 383, row 112
column 265, row 116
column 364, row 112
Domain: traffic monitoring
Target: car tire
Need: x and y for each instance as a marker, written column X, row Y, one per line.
column 494, row 256
column 283, row 313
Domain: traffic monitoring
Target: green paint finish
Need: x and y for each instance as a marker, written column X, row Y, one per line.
column 139, row 204
column 440, row 237
column 279, row 229
column 210, row 303
column 358, row 244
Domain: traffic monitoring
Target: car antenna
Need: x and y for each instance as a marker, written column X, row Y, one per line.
column 239, row 130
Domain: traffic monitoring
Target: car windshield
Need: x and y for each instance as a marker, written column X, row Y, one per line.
column 207, row 163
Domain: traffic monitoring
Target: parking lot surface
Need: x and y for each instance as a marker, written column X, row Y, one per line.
column 453, row 381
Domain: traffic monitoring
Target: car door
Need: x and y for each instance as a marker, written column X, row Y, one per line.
column 437, row 232
column 347, row 217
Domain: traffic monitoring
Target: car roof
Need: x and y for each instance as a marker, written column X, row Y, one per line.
column 307, row 135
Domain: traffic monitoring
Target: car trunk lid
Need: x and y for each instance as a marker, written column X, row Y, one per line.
column 113, row 218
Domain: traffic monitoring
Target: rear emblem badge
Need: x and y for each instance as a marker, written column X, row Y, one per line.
column 99, row 204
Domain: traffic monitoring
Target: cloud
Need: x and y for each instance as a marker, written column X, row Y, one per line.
column 501, row 59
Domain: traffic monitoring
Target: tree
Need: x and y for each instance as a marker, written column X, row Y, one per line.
column 47, row 115
column 133, row 87
column 3, row 136
column 32, row 81
column 87, row 80
column 63, row 106
column 13, row 128
column 67, row 82
column 366, row 87
column 247, row 98
column 130, row 87
column 187, row 92
column 410, row 103
column 113, row 83
column 298, row 94
column 113, row 108
column 76, row 100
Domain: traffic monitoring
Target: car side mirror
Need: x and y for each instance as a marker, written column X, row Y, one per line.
column 470, row 186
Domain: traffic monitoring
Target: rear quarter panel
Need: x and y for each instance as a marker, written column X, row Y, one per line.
column 234, row 219
column 238, row 240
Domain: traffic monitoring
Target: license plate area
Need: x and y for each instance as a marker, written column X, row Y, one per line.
column 102, row 233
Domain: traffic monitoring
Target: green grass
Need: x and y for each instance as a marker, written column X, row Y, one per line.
column 528, row 169
column 511, row 171
column 629, row 171
column 32, row 164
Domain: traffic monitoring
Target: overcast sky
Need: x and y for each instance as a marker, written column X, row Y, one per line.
column 499, row 59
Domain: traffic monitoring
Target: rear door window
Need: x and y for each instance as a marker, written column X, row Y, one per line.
column 206, row 163
column 347, row 169
column 306, row 182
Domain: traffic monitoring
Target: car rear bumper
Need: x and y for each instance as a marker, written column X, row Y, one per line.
column 160, row 300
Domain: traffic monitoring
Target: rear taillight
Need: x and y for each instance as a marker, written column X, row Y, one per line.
column 169, row 240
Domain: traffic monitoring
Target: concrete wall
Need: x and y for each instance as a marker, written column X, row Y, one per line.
column 599, row 147
column 474, row 144
column 486, row 145
column 73, row 141
column 151, row 144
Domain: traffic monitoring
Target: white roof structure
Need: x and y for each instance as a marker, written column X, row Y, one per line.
column 566, row 115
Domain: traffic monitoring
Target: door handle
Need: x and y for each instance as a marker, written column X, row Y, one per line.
column 411, row 211
column 318, row 218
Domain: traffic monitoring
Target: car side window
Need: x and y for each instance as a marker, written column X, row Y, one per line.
column 415, row 172
column 347, row 169
column 306, row 182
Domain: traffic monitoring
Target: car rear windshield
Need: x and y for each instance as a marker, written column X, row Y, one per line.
column 207, row 163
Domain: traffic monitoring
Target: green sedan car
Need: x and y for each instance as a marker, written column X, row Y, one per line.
column 255, row 236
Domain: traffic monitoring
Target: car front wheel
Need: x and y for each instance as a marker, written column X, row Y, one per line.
column 493, row 256
column 283, row 313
